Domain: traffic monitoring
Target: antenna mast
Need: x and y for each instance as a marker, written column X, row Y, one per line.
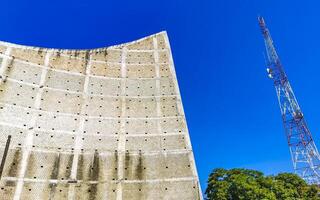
column 304, row 153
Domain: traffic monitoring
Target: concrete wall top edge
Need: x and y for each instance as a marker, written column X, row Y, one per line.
column 118, row 46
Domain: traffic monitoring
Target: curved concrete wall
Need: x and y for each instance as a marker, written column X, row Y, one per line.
column 103, row 123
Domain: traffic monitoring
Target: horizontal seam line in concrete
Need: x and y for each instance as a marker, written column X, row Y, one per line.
column 107, row 153
column 182, row 179
column 81, row 74
column 89, row 95
column 93, row 116
column 100, row 135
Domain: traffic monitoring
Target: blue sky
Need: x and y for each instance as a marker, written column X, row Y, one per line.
column 230, row 104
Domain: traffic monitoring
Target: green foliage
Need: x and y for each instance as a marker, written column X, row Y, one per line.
column 244, row 184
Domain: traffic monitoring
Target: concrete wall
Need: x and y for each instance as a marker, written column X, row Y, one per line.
column 103, row 123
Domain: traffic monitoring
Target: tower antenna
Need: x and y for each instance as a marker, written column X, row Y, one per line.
column 304, row 153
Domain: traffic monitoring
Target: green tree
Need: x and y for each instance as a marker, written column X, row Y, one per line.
column 244, row 184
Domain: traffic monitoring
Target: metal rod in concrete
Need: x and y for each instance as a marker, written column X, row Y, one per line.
column 5, row 153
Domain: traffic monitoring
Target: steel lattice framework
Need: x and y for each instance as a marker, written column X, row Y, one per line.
column 304, row 153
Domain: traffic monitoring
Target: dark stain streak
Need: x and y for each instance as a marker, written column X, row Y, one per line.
column 56, row 166
column 126, row 164
column 115, row 171
column 139, row 173
column 52, row 187
column 94, row 176
column 139, row 168
column 94, row 171
column 31, row 170
column 80, row 167
column 69, row 166
column 93, row 191
column 54, row 175
column 7, row 71
column 87, row 56
column 105, row 53
column 40, row 51
column 10, row 183
column 14, row 167
column 15, row 162
column 76, row 53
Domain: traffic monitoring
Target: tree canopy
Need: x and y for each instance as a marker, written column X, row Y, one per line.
column 245, row 184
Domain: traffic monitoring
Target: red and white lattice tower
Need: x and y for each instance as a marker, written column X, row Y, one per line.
column 304, row 153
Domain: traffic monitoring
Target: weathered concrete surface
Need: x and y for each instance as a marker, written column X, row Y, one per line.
column 103, row 123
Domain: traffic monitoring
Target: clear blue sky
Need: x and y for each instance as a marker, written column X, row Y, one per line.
column 230, row 104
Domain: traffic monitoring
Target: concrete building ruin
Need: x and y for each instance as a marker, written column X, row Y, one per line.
column 103, row 123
